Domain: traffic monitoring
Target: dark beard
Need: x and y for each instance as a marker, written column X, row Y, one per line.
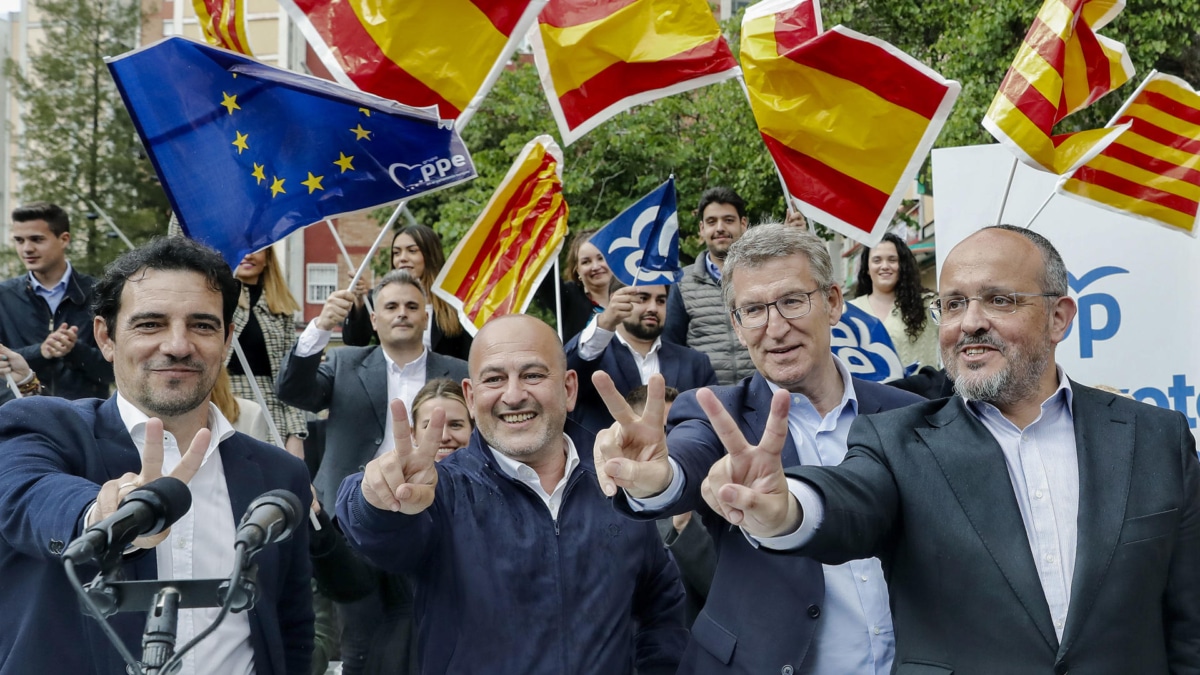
column 637, row 330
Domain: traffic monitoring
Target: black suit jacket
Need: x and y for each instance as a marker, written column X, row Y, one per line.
column 762, row 608
column 927, row 490
column 681, row 367
column 352, row 384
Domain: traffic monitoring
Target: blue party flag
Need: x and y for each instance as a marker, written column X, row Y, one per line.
column 863, row 344
column 642, row 244
column 248, row 153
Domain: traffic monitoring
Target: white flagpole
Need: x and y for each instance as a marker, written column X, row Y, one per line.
column 346, row 254
column 258, row 395
column 1041, row 208
column 1007, row 186
column 12, row 385
column 558, row 299
column 383, row 232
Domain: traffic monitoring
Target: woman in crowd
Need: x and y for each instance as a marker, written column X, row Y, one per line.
column 447, row 395
column 586, row 284
column 417, row 249
column 13, row 365
column 889, row 288
column 265, row 328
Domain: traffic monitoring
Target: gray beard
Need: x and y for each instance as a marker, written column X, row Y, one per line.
column 1015, row 382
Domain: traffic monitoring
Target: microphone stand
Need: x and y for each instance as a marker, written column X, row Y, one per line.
column 158, row 642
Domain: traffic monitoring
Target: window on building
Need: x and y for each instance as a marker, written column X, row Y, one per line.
column 321, row 281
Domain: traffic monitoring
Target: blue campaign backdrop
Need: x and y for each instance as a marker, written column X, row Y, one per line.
column 642, row 243
column 863, row 344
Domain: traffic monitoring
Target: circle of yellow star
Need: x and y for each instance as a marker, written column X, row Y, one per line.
column 360, row 133
column 313, row 183
column 344, row 162
column 230, row 102
column 277, row 186
column 240, row 141
column 258, row 173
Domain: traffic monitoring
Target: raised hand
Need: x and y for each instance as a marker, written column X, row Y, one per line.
column 360, row 289
column 747, row 486
column 337, row 306
column 113, row 491
column 404, row 480
column 632, row 453
column 60, row 342
column 12, row 363
column 619, row 307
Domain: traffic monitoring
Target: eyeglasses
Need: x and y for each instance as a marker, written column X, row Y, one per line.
column 951, row 309
column 791, row 306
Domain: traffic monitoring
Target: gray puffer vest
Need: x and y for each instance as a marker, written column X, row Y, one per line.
column 710, row 329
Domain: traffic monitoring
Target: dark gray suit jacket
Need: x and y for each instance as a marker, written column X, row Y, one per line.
column 927, row 491
column 352, row 384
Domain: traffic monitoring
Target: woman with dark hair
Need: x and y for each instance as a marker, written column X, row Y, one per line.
column 889, row 288
column 586, row 283
column 417, row 249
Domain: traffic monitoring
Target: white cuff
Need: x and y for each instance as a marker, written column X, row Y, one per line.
column 594, row 340
column 813, row 514
column 663, row 499
column 313, row 340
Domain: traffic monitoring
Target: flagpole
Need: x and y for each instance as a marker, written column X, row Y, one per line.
column 558, row 299
column 378, row 242
column 258, row 395
column 109, row 221
column 1007, row 186
column 1041, row 208
column 787, row 196
column 12, row 385
column 337, row 239
column 514, row 41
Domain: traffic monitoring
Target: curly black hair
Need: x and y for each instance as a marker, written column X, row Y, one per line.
column 910, row 295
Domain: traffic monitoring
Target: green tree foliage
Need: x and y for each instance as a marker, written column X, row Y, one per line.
column 77, row 142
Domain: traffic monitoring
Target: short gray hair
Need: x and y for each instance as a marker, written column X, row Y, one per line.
column 768, row 241
column 1054, row 271
column 399, row 277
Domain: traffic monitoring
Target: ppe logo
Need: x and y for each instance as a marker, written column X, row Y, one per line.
column 432, row 171
column 1099, row 316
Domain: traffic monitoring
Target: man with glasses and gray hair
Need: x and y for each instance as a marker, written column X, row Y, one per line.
column 781, row 299
column 1028, row 524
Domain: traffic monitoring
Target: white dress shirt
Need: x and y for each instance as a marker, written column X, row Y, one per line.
column 522, row 472
column 594, row 340
column 200, row 546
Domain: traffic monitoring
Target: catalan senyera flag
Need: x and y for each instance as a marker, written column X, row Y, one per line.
column 1152, row 171
column 847, row 118
column 513, row 244
column 223, row 23
column 417, row 52
column 1061, row 67
column 597, row 58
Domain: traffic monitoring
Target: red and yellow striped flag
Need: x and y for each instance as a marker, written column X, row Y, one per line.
column 223, row 23
column 1061, row 67
column 514, row 242
column 847, row 118
column 1152, row 171
column 598, row 58
column 417, row 52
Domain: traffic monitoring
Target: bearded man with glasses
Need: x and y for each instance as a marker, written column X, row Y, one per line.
column 765, row 613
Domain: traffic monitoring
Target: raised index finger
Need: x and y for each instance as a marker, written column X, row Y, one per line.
column 401, row 431
column 722, row 422
column 617, row 407
column 152, row 451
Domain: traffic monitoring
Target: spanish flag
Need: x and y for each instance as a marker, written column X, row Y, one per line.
column 847, row 118
column 417, row 52
column 223, row 23
column 598, row 58
column 513, row 244
column 1152, row 171
column 1061, row 67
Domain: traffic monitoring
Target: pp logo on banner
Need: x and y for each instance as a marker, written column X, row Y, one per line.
column 863, row 344
column 1099, row 314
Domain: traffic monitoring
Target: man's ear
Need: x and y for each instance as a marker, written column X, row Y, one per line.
column 1062, row 313
column 103, row 340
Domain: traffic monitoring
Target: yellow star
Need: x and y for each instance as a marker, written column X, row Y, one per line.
column 276, row 186
column 240, row 141
column 230, row 102
column 258, row 173
column 360, row 133
column 313, row 183
column 344, row 162
column 365, row 111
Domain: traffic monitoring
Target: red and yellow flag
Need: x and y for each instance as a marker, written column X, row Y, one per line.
column 1061, row 67
column 417, row 52
column 223, row 23
column 598, row 58
column 497, row 266
column 1152, row 171
column 847, row 118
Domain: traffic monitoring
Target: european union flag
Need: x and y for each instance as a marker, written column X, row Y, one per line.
column 863, row 344
column 642, row 243
column 248, row 153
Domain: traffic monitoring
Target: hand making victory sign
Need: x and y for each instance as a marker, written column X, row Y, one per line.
column 405, row 479
column 632, row 453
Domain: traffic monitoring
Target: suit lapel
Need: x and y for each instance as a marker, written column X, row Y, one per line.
column 669, row 364
column 757, row 410
column 973, row 464
column 111, row 430
column 1104, row 441
column 372, row 372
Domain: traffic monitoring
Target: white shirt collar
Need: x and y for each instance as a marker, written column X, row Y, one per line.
column 523, row 472
column 653, row 348
column 418, row 362
column 135, row 423
column 848, row 393
column 1062, row 392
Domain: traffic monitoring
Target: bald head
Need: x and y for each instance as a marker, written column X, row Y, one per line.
column 530, row 332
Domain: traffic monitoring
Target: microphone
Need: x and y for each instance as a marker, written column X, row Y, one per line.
column 271, row 518
column 147, row 510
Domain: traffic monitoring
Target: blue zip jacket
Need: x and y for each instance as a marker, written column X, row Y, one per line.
column 501, row 587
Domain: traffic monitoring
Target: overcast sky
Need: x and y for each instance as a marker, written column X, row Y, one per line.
column 10, row 5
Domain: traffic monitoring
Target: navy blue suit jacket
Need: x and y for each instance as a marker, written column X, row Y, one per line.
column 682, row 367
column 762, row 608
column 54, row 454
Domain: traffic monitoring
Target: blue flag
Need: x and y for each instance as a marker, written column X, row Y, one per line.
column 642, row 243
column 863, row 344
column 248, row 153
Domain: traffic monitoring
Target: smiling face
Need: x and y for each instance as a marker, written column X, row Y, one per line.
column 169, row 341
column 457, row 432
column 40, row 251
column 720, row 226
column 400, row 315
column 884, row 267
column 787, row 351
column 591, row 269
column 251, row 268
column 1006, row 359
column 649, row 310
column 406, row 255
column 520, row 390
